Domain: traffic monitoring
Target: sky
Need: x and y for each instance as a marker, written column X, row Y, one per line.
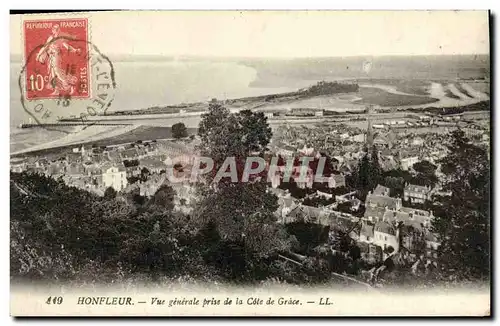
column 281, row 33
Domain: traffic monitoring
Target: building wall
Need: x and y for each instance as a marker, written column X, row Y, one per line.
column 415, row 197
column 114, row 178
column 365, row 238
column 383, row 239
column 407, row 163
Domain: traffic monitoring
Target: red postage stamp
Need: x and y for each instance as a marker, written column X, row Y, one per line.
column 57, row 60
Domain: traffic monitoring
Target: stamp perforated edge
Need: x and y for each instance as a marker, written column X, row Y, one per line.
column 54, row 16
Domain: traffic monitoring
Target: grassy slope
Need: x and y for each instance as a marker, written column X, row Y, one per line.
column 377, row 96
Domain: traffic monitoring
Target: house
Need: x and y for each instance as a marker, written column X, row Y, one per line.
column 417, row 141
column 344, row 136
column 421, row 216
column 385, row 234
column 55, row 169
column 307, row 150
column 275, row 179
column 381, row 141
column 129, row 154
column 285, row 206
column 370, row 253
column 381, row 191
column 416, row 194
column 17, row 168
column 366, row 233
column 345, row 197
column 73, row 157
column 303, row 182
column 42, row 162
column 75, row 169
column 373, row 200
column 374, row 214
column 407, row 163
column 336, row 181
column 355, row 204
column 287, row 151
column 432, row 244
column 324, row 194
column 388, row 163
column 115, row 177
column 359, row 138
column 308, row 214
column 184, row 197
column 344, row 225
column 150, row 187
column 153, row 165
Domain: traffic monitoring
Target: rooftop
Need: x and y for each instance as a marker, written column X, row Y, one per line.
column 381, row 191
column 383, row 201
column 385, row 227
column 417, row 188
column 377, row 212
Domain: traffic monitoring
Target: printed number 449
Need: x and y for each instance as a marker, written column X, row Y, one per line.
column 54, row 300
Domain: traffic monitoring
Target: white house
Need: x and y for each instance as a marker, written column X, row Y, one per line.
column 416, row 193
column 407, row 163
column 385, row 235
column 115, row 177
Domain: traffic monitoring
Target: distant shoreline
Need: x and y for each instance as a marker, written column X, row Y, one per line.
column 15, row 57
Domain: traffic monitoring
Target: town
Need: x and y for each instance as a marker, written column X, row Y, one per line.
column 387, row 216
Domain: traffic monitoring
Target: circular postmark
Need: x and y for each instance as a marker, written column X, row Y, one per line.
column 66, row 81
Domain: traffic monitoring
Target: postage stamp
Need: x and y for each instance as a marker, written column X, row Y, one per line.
column 65, row 77
column 59, row 65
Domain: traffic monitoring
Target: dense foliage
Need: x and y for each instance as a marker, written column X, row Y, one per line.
column 179, row 130
column 326, row 88
column 463, row 223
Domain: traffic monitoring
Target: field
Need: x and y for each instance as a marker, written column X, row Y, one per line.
column 372, row 95
column 143, row 133
column 411, row 86
column 482, row 87
column 139, row 133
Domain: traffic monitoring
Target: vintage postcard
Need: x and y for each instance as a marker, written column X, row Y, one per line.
column 250, row 163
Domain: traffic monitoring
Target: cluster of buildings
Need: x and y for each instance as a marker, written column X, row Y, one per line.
column 397, row 149
column 387, row 227
column 125, row 168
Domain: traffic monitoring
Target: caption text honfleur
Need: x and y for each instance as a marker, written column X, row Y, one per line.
column 203, row 302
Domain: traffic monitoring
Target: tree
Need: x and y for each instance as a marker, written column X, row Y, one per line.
column 426, row 173
column 369, row 171
column 463, row 225
column 376, row 170
column 224, row 134
column 110, row 193
column 164, row 197
column 424, row 167
column 255, row 130
column 179, row 130
column 241, row 214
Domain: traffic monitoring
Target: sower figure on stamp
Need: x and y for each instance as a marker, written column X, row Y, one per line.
column 59, row 79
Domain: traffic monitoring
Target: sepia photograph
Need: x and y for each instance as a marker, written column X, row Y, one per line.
column 250, row 163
